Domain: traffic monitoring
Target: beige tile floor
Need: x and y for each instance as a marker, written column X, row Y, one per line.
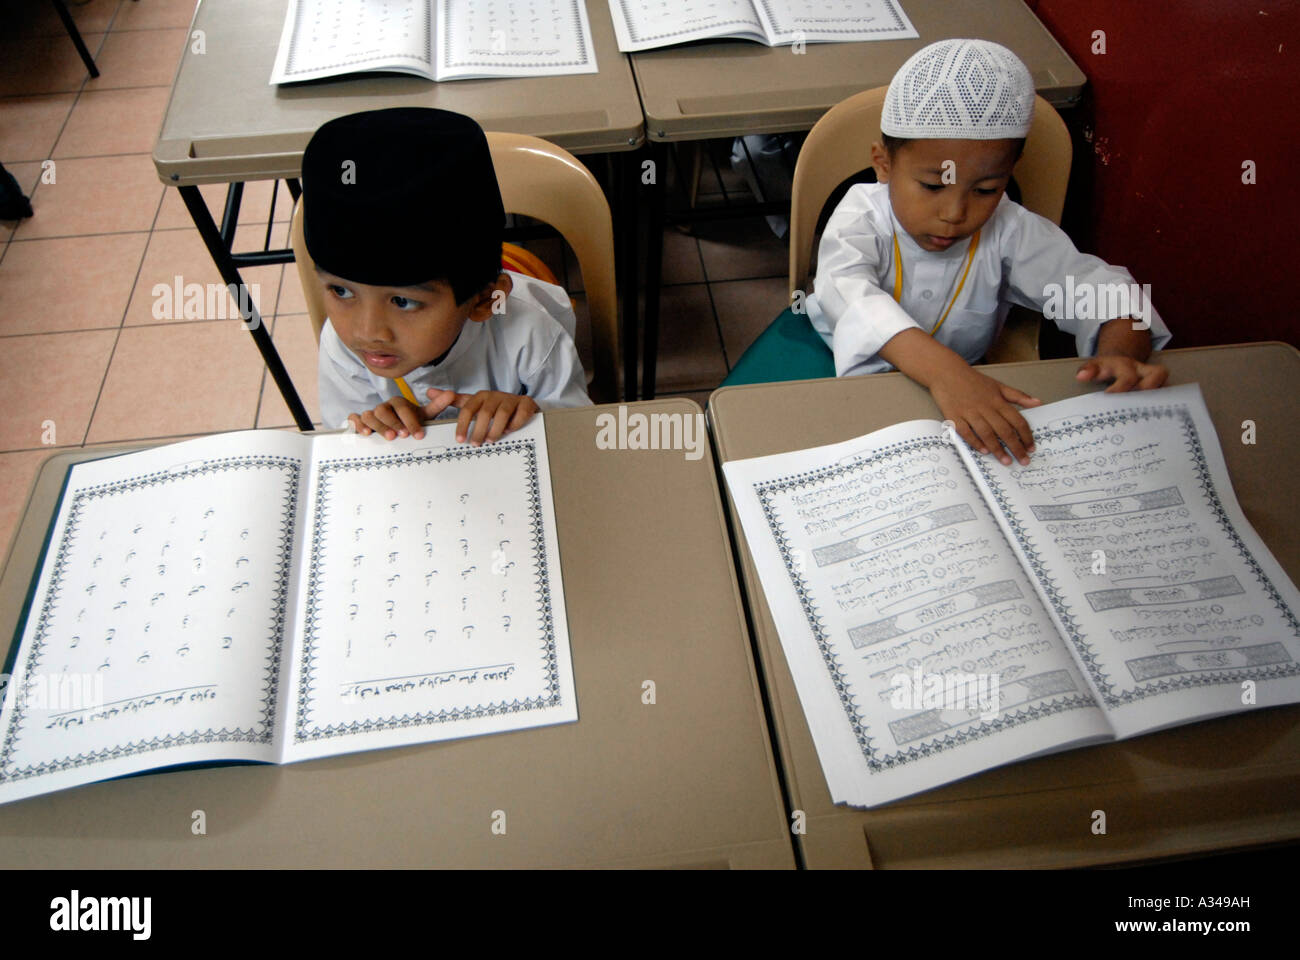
column 80, row 350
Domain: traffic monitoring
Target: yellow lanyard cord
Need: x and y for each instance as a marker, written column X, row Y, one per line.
column 406, row 391
column 898, row 277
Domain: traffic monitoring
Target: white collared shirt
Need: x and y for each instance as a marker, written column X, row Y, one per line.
column 528, row 349
column 1022, row 259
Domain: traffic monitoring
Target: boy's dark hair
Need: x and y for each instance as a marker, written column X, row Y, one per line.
column 475, row 271
column 893, row 144
column 400, row 197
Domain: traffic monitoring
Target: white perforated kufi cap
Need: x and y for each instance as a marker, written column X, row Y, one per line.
column 960, row 90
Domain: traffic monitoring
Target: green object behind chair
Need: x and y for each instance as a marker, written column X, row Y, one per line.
column 789, row 349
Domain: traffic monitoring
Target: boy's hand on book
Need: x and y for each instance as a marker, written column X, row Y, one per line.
column 983, row 411
column 1128, row 374
column 494, row 414
column 393, row 418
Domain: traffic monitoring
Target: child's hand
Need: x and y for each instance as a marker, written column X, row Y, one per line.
column 393, row 418
column 399, row 417
column 1128, row 374
column 494, row 414
column 981, row 410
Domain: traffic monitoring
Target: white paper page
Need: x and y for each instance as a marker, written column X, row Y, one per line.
column 328, row 38
column 154, row 634
column 648, row 24
column 814, row 21
column 433, row 606
column 880, row 562
column 1127, row 517
column 512, row 38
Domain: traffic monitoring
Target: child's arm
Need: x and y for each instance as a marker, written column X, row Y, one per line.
column 1121, row 355
column 1082, row 294
column 981, row 409
column 853, row 307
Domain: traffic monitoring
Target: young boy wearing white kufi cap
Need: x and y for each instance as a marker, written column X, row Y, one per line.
column 917, row 271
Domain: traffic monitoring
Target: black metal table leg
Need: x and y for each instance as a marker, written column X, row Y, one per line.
column 61, row 9
column 225, row 262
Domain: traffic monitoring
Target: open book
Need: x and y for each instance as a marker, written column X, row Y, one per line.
column 273, row 597
column 943, row 614
column 645, row 25
column 435, row 39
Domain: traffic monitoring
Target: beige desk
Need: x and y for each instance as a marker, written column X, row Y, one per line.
column 1216, row 785
column 225, row 123
column 731, row 88
column 650, row 595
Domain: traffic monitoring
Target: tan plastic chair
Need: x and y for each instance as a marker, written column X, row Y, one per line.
column 544, row 182
column 839, row 145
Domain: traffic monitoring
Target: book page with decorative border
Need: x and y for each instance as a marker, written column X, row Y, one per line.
column 512, row 38
column 650, row 24
column 154, row 636
column 920, row 650
column 329, row 38
column 1127, row 520
column 432, row 605
column 833, row 21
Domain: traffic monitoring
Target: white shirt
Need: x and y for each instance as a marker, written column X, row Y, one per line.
column 528, row 349
column 1022, row 259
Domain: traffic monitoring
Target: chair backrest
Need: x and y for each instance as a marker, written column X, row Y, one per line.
column 839, row 145
column 547, row 183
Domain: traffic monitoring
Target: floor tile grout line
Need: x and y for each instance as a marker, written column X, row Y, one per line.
column 717, row 327
column 78, row 236
column 113, row 233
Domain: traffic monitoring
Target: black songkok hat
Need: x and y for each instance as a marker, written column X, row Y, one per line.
column 400, row 197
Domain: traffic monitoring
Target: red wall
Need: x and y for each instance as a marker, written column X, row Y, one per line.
column 1186, row 92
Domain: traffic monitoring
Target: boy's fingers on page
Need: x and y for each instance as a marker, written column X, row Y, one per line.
column 1153, row 375
column 1088, row 371
column 965, row 432
column 387, row 415
column 986, row 435
column 1018, row 396
column 1012, row 431
column 483, row 420
column 523, row 413
column 378, row 426
column 1003, row 433
column 501, row 421
column 409, row 414
column 1125, row 379
column 1023, row 431
column 439, row 400
column 358, row 425
column 467, row 410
